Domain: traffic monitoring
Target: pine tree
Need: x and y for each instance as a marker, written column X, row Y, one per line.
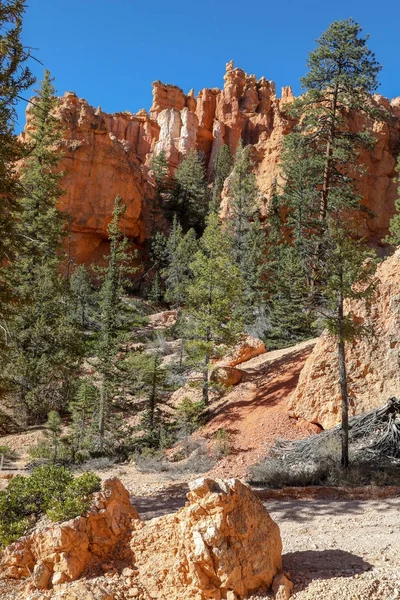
column 341, row 78
column 83, row 412
column 111, row 315
column 248, row 238
column 221, row 170
column 213, row 298
column 394, row 233
column 44, row 344
column 180, row 250
column 147, row 379
column 83, row 294
column 53, row 425
column 157, row 262
column 320, row 169
column 347, row 274
column 191, row 192
column 15, row 78
column 159, row 166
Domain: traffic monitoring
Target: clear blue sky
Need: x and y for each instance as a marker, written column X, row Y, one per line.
column 110, row 51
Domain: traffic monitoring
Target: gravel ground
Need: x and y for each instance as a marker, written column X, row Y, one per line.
column 341, row 550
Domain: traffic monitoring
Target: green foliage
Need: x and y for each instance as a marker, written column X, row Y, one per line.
column 76, row 499
column 49, row 490
column 146, row 378
column 180, row 250
column 248, row 238
column 82, row 410
column 53, row 425
column 213, row 297
column 319, row 207
column 221, row 169
column 8, row 452
column 83, row 296
column 189, row 415
column 289, row 311
column 159, row 166
column 157, row 262
column 191, row 192
column 111, row 312
column 15, row 78
column 222, row 442
column 44, row 341
column 394, row 236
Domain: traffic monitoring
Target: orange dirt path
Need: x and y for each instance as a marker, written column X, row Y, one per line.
column 254, row 413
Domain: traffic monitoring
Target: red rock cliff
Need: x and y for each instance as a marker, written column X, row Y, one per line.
column 109, row 154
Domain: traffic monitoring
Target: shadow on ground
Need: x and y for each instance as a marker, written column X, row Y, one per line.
column 165, row 502
column 307, row 565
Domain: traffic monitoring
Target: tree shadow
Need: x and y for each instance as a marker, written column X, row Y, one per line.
column 307, row 565
column 307, row 510
column 164, row 503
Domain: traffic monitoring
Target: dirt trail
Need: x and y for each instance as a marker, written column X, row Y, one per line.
column 254, row 413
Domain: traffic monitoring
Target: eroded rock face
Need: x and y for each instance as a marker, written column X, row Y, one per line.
column 106, row 154
column 223, row 542
column 60, row 553
column 221, row 545
column 373, row 362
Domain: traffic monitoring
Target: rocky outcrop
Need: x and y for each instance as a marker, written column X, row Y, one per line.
column 225, row 372
column 247, row 348
column 373, row 362
column 59, row 553
column 221, row 545
column 106, row 154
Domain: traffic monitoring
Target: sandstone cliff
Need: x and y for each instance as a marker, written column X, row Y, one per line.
column 222, row 545
column 106, row 154
column 373, row 362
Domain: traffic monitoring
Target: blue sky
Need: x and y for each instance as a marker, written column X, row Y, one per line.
column 110, row 51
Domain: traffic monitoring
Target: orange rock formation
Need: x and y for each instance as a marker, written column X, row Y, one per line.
column 222, row 545
column 373, row 362
column 106, row 154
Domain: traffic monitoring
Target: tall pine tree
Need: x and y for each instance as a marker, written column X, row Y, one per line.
column 213, row 298
column 320, row 168
column 44, row 340
column 191, row 191
column 15, row 78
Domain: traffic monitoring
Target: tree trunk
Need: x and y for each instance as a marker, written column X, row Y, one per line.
column 102, row 414
column 343, row 386
column 328, row 156
column 152, row 398
column 205, row 379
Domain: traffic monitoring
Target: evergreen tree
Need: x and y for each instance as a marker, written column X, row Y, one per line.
column 180, row 250
column 342, row 76
column 347, row 274
column 221, row 170
column 83, row 411
column 320, row 169
column 248, row 238
column 111, row 315
column 146, row 378
column 15, row 78
column 82, row 294
column 213, row 298
column 157, row 262
column 159, row 166
column 44, row 340
column 394, row 233
column 53, row 425
column 191, row 191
